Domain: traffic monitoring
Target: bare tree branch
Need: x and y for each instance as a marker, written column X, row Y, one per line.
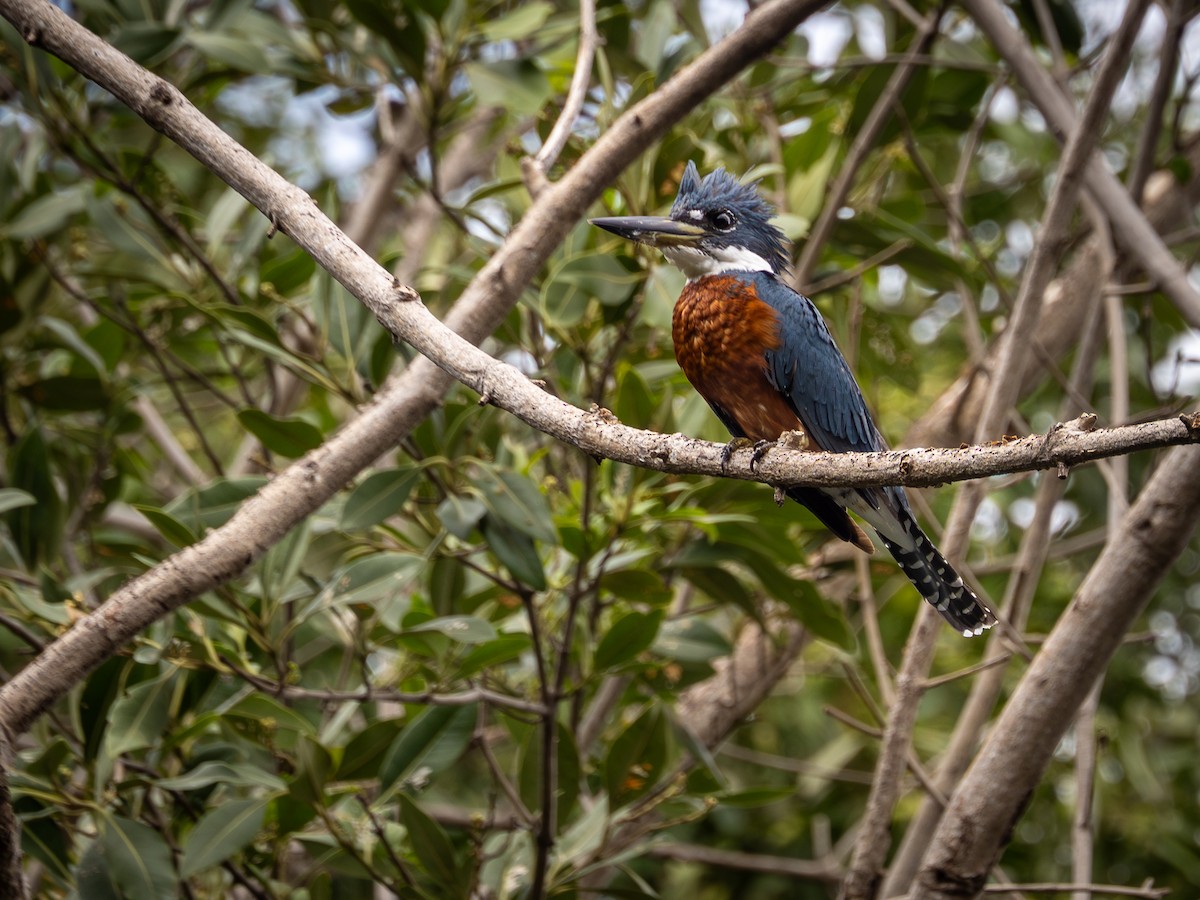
column 996, row 789
column 880, row 114
column 872, row 843
column 799, row 869
column 304, row 486
column 1131, row 229
column 1024, row 577
column 588, row 38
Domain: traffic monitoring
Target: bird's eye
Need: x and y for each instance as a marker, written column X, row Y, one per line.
column 723, row 219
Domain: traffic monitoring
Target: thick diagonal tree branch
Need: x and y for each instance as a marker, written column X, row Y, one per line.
column 307, row 484
column 302, row 488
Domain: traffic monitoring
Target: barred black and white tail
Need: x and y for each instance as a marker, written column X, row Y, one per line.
column 935, row 578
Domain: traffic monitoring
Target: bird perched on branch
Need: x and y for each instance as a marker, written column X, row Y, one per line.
column 762, row 357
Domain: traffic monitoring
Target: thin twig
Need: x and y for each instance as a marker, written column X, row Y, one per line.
column 577, row 92
column 1050, row 887
column 861, row 146
column 498, row 774
column 800, row 869
column 372, row 693
column 1082, row 827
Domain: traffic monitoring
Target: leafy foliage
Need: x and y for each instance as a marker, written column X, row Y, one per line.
column 363, row 706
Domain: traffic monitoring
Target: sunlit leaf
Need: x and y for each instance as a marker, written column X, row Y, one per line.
column 289, row 437
column 464, row 629
column 431, row 845
column 380, row 496
column 428, row 744
column 224, row 831
column 215, row 772
column 12, row 498
column 138, row 718
column 45, row 215
column 522, row 22
column 139, row 860
column 629, row 636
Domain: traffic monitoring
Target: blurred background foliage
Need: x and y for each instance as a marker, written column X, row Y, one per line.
column 304, row 731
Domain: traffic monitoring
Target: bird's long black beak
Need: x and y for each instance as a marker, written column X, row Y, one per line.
column 657, row 231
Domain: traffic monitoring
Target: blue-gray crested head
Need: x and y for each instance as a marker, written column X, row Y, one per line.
column 736, row 221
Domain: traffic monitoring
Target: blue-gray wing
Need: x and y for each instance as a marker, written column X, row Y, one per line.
column 810, row 371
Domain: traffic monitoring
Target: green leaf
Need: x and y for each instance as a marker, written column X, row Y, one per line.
column 821, row 617
column 517, row 86
column 691, row 640
column 212, row 772
column 36, row 528
column 432, row 847
column 139, row 718
column 93, row 878
column 516, row 553
column 433, row 741
column 373, row 577
column 45, row 215
column 388, row 20
column 139, row 860
column 221, row 833
column 314, row 765
column 464, row 629
column 636, row 584
column 290, row 437
column 363, row 755
column 271, row 714
column 503, row 649
column 518, row 501
column 530, row 777
column 628, row 637
column 519, row 24
column 11, row 498
column 635, row 760
column 579, row 279
column 214, row 504
column 719, row 585
column 167, row 525
column 281, row 565
column 460, row 515
column 239, row 52
column 634, row 403
column 66, row 393
column 752, row 798
column 585, row 835
column 379, row 497
column 146, row 42
column 68, row 337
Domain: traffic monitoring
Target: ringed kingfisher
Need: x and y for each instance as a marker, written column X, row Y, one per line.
column 763, row 358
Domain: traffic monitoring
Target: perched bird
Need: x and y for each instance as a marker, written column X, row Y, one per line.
column 762, row 357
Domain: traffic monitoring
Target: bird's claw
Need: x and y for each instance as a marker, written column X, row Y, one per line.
column 760, row 450
column 797, row 439
column 738, row 443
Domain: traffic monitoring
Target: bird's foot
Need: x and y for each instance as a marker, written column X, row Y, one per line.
column 760, row 450
column 789, row 440
column 738, row 443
